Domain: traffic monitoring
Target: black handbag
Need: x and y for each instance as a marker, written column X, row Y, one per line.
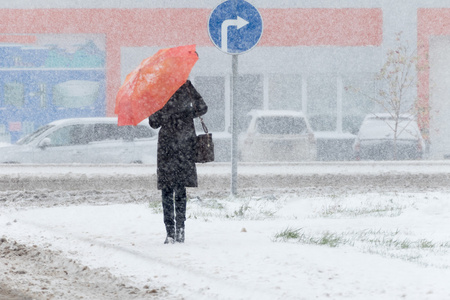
column 204, row 147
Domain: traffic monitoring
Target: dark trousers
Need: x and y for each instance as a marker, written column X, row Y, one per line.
column 174, row 215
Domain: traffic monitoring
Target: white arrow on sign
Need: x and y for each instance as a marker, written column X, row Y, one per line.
column 239, row 23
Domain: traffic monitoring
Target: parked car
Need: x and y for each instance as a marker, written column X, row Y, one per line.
column 375, row 140
column 334, row 146
column 85, row 140
column 277, row 135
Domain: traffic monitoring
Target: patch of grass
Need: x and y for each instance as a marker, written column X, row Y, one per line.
column 240, row 213
column 426, row 244
column 207, row 204
column 252, row 211
column 382, row 242
column 287, row 234
column 326, row 238
column 368, row 208
column 296, row 235
column 234, row 208
column 329, row 239
column 155, row 206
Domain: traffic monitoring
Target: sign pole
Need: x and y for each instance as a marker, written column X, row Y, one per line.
column 234, row 134
column 234, row 27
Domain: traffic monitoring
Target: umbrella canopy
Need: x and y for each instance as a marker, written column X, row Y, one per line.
column 148, row 88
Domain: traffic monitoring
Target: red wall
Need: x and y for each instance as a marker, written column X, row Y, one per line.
column 430, row 22
column 322, row 26
column 172, row 27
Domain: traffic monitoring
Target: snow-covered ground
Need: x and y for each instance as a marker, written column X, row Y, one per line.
column 300, row 242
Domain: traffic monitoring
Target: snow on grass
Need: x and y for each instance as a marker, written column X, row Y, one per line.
column 394, row 225
column 274, row 246
column 378, row 212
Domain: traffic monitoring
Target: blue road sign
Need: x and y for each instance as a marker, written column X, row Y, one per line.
column 235, row 26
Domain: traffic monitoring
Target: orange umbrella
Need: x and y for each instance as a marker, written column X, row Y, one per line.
column 148, row 88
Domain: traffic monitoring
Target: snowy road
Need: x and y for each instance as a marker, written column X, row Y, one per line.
column 216, row 176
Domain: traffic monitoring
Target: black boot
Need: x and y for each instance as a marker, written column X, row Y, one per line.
column 170, row 238
column 180, row 235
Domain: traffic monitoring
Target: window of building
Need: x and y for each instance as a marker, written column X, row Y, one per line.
column 356, row 100
column 42, row 93
column 250, row 95
column 322, row 102
column 285, row 92
column 281, row 125
column 212, row 89
column 14, row 94
column 76, row 93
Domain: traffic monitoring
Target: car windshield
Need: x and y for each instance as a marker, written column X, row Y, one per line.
column 384, row 129
column 29, row 138
column 281, row 125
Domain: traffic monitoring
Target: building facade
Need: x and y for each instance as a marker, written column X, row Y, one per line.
column 310, row 51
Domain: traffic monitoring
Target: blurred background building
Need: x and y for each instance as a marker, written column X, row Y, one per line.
column 62, row 59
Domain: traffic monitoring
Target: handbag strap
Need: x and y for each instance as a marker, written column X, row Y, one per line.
column 205, row 129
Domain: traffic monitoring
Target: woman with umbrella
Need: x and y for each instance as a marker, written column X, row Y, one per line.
column 176, row 168
column 159, row 88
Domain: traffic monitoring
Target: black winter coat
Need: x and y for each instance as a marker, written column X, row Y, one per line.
column 176, row 139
